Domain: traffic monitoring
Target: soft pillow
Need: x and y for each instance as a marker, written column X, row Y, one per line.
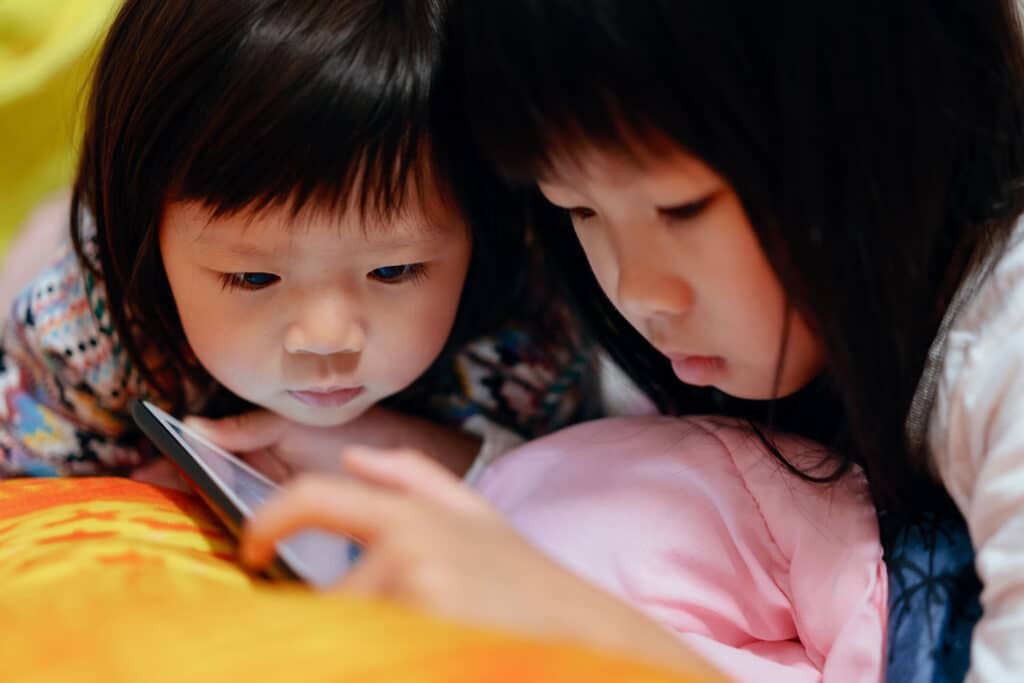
column 112, row 580
column 771, row 577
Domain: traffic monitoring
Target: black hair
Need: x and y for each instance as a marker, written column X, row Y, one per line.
column 877, row 148
column 245, row 104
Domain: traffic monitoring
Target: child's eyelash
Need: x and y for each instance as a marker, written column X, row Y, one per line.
column 247, row 281
column 391, row 275
column 581, row 213
column 410, row 272
column 685, row 212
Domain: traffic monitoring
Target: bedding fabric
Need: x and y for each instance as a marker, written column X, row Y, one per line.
column 116, row 581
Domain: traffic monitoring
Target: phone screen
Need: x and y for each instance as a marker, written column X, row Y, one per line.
column 317, row 557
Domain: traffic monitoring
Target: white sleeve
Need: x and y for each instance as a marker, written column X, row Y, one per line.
column 978, row 440
column 496, row 442
column 620, row 396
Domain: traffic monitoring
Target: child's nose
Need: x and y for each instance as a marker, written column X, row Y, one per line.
column 326, row 330
column 643, row 292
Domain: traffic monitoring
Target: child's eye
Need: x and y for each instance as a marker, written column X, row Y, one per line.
column 581, row 213
column 248, row 280
column 686, row 211
column 395, row 274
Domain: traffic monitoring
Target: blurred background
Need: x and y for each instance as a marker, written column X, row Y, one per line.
column 46, row 51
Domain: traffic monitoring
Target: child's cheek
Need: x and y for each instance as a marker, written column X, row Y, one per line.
column 422, row 329
column 235, row 350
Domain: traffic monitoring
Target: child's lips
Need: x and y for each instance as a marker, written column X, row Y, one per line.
column 696, row 370
column 327, row 398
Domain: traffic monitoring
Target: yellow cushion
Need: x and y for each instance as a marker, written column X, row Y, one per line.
column 46, row 51
column 112, row 580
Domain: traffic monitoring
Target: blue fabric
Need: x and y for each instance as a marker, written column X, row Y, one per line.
column 933, row 598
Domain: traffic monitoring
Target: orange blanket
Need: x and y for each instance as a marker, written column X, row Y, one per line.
column 112, row 580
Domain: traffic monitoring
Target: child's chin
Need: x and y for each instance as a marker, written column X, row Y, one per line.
column 320, row 417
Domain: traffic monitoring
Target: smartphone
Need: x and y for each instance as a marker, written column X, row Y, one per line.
column 233, row 490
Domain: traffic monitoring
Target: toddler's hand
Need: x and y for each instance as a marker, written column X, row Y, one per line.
column 432, row 543
column 160, row 473
column 281, row 448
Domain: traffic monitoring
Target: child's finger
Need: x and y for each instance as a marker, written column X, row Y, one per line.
column 369, row 577
column 160, row 473
column 330, row 504
column 411, row 472
column 240, row 433
column 269, row 465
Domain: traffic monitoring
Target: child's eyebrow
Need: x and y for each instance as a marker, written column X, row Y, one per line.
column 423, row 236
column 405, row 241
column 235, row 248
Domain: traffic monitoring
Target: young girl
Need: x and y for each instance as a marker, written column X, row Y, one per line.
column 806, row 212
column 276, row 207
column 820, row 201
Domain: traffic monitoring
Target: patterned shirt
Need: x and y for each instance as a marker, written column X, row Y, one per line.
column 66, row 382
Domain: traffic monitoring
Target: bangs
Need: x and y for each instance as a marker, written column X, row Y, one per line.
column 242, row 105
column 547, row 79
column 304, row 105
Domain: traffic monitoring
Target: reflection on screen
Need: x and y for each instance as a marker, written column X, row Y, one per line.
column 317, row 557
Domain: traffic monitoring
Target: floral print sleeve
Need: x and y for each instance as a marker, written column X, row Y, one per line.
column 532, row 375
column 65, row 382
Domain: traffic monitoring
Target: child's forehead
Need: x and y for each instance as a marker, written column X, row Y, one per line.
column 615, row 165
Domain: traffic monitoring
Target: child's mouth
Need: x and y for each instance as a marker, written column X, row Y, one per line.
column 326, row 398
column 697, row 370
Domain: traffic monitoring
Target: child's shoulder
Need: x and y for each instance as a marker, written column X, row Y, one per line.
column 60, row 332
column 673, row 461
column 696, row 522
column 64, row 311
column 976, row 367
column 982, row 336
column 991, row 301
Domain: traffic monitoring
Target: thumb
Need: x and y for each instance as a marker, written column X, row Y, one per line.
column 242, row 433
column 409, row 471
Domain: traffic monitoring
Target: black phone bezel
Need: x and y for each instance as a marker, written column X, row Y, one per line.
column 230, row 515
